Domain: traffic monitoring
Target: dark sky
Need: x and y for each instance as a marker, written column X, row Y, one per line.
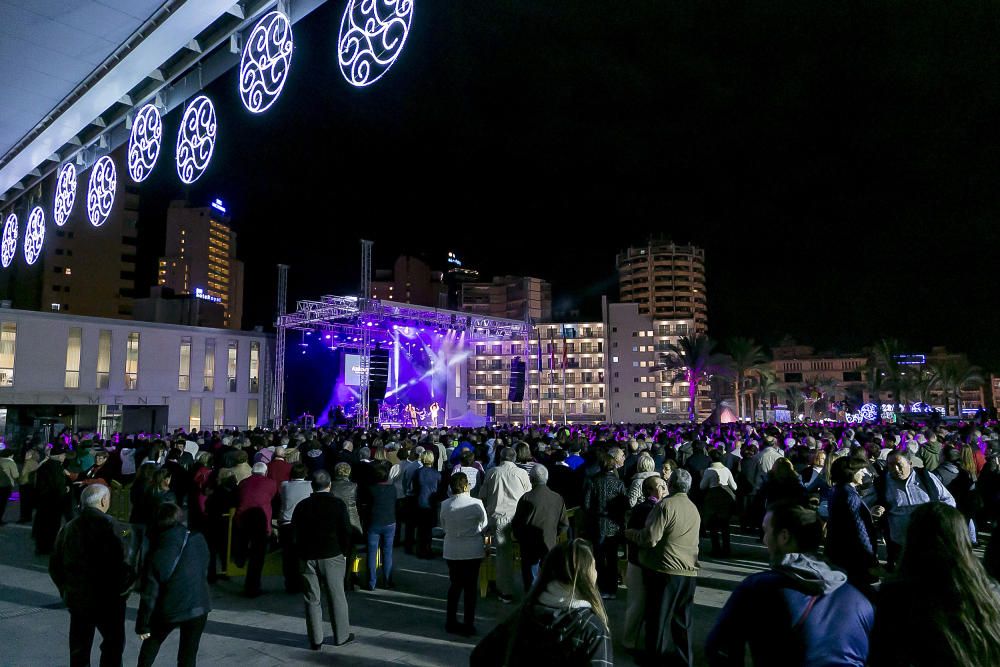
column 838, row 161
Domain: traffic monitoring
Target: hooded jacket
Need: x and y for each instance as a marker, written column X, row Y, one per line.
column 178, row 595
column 825, row 621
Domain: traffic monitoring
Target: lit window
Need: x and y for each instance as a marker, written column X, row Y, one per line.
column 8, row 340
column 209, row 374
column 103, row 359
column 73, row 345
column 69, row 271
column 194, row 417
column 231, row 364
column 132, row 360
column 55, row 306
column 184, row 366
column 254, row 366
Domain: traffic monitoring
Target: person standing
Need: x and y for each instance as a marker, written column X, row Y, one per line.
column 851, row 540
column 814, row 616
column 718, row 497
column 174, row 591
column 292, row 492
column 604, row 504
column 380, row 505
column 538, row 521
column 52, row 500
column 426, row 482
column 322, row 530
column 669, row 553
column 26, row 485
column 503, row 487
column 88, row 567
column 8, row 478
column 654, row 489
column 253, row 518
column 463, row 519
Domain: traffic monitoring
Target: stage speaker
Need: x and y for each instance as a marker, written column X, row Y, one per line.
column 378, row 374
column 491, row 411
column 516, row 392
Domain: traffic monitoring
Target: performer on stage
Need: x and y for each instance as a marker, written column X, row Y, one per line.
column 410, row 414
column 434, row 408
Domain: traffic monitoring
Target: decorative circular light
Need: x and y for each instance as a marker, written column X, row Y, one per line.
column 65, row 194
column 34, row 234
column 8, row 248
column 869, row 411
column 101, row 191
column 267, row 57
column 144, row 142
column 372, row 33
column 196, row 139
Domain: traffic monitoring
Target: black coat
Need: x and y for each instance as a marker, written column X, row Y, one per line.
column 538, row 520
column 322, row 527
column 568, row 483
column 51, row 487
column 178, row 596
column 604, row 504
column 88, row 562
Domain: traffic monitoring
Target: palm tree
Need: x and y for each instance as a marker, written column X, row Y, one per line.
column 885, row 368
column 823, row 394
column 747, row 357
column 694, row 361
column 762, row 387
column 954, row 374
column 794, row 400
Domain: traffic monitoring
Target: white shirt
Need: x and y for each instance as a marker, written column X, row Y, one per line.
column 463, row 520
column 717, row 475
column 503, row 487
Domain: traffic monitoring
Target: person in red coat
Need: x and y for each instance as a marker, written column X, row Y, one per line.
column 279, row 469
column 253, row 522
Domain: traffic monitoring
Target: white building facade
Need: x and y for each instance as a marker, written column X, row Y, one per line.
column 86, row 373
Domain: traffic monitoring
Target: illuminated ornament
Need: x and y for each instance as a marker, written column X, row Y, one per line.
column 868, row 411
column 8, row 248
column 372, row 34
column 144, row 143
column 267, row 56
column 196, row 139
column 65, row 194
column 34, row 234
column 101, row 191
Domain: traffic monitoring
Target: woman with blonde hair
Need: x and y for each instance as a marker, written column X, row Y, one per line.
column 644, row 467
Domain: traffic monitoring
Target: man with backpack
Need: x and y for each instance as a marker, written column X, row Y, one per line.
column 89, row 569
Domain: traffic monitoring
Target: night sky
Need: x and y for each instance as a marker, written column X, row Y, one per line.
column 839, row 162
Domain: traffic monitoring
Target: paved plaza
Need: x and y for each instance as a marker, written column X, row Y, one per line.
column 403, row 626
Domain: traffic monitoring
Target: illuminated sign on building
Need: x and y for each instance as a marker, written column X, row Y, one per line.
column 202, row 294
column 217, row 205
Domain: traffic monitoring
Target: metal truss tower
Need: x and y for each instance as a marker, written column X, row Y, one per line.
column 278, row 385
column 365, row 351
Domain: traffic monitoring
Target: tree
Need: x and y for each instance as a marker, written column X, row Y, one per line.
column 762, row 386
column 822, row 395
column 694, row 361
column 794, row 400
column 884, row 368
column 952, row 375
column 747, row 359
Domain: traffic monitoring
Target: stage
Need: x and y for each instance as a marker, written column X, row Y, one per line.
column 410, row 361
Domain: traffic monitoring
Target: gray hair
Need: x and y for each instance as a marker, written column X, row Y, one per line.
column 539, row 475
column 508, row 454
column 679, row 482
column 94, row 494
column 321, row 480
column 645, row 463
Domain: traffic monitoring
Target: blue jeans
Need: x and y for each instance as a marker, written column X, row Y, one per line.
column 386, row 534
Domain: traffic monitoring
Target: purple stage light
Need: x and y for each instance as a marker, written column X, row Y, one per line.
column 328, row 336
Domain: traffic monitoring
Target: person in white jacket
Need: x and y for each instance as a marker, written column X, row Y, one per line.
column 503, row 487
column 719, row 491
column 463, row 520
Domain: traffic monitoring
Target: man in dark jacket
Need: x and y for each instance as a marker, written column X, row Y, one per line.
column 322, row 533
column 174, row 590
column 88, row 567
column 539, row 519
column 52, row 500
column 821, row 618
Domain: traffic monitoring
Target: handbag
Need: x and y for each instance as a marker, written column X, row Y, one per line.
column 135, row 547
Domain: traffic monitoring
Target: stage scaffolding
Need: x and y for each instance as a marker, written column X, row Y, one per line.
column 352, row 315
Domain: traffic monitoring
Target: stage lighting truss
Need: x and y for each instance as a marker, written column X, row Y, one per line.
column 144, row 143
column 196, row 139
column 372, row 34
column 101, row 191
column 8, row 247
column 65, row 194
column 34, row 235
column 266, row 60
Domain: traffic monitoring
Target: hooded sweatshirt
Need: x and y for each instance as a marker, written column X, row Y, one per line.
column 823, row 620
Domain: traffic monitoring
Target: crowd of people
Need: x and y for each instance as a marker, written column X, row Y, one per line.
column 869, row 530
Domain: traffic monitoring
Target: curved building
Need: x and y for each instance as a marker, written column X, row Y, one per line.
column 666, row 280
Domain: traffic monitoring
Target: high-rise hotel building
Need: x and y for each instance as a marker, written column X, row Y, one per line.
column 201, row 259
column 666, row 280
